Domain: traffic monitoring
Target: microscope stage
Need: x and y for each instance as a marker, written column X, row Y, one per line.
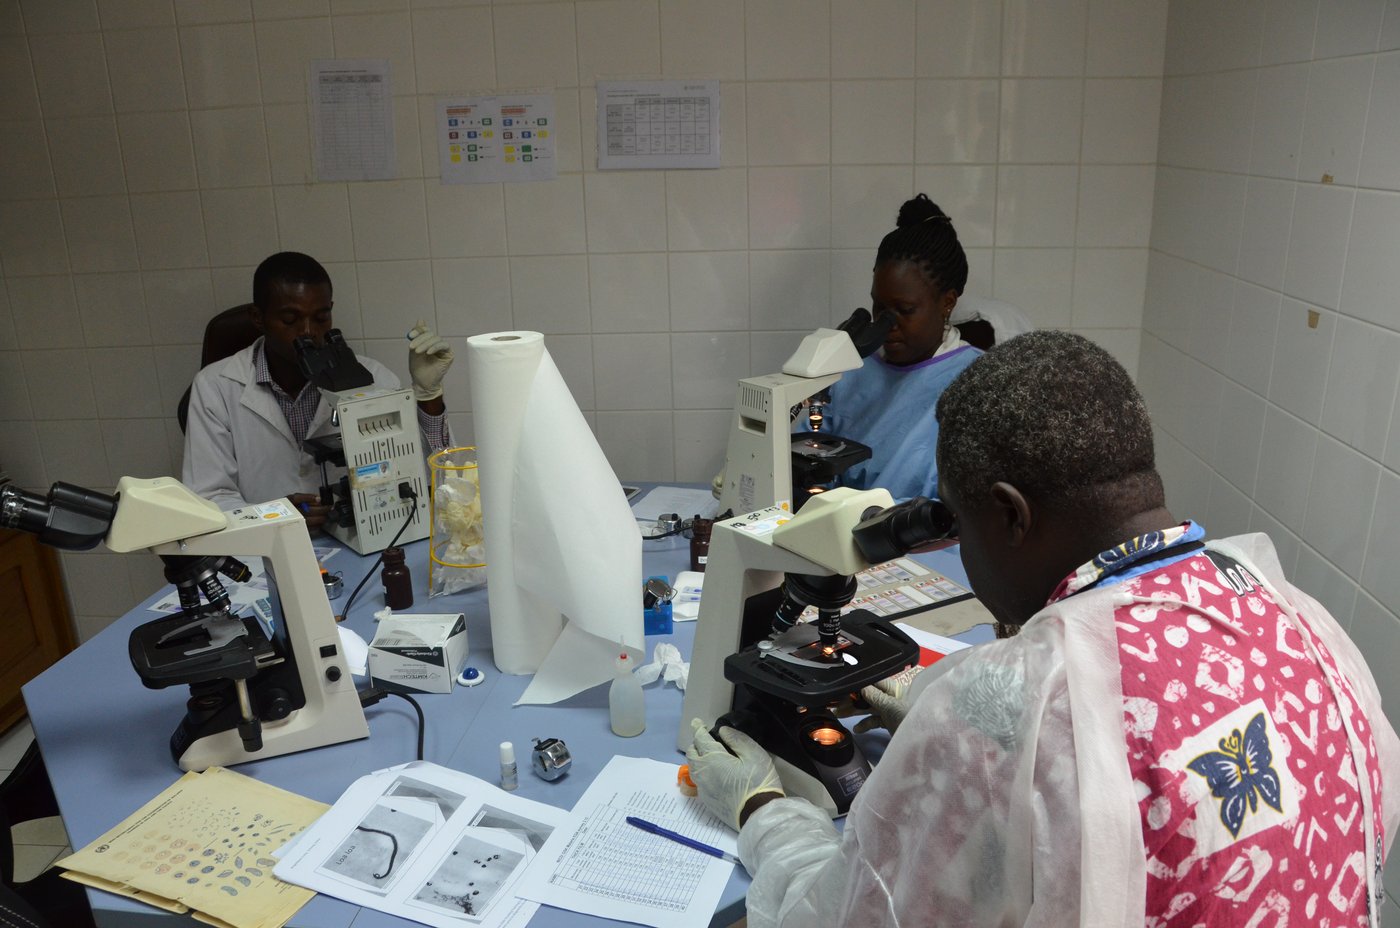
column 797, row 668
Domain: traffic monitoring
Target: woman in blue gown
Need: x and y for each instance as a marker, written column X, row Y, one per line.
column 889, row 403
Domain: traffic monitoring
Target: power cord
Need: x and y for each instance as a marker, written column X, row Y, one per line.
column 374, row 694
column 685, row 525
column 405, row 492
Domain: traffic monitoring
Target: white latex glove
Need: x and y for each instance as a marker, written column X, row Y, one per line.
column 889, row 701
column 429, row 357
column 717, row 485
column 725, row 781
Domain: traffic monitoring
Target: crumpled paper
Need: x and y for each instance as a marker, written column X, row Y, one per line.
column 666, row 664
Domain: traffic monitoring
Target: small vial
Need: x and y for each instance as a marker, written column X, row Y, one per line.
column 509, row 776
column 700, row 530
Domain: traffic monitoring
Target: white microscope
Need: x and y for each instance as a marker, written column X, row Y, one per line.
column 253, row 694
column 757, row 667
column 382, row 498
column 758, row 466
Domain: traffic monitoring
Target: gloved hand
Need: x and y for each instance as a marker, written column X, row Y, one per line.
column 312, row 510
column 889, row 701
column 429, row 357
column 717, row 485
column 725, row 781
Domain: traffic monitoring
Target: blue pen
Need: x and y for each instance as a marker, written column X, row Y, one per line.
column 644, row 825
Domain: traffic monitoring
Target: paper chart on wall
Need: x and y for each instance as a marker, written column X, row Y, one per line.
column 425, row 843
column 658, row 124
column 352, row 119
column 508, row 138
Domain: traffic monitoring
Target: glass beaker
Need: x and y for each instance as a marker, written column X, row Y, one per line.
column 457, row 544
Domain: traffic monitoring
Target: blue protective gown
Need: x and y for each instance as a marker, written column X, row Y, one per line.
column 892, row 411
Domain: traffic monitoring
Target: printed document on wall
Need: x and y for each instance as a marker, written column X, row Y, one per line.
column 509, row 138
column 658, row 124
column 352, row 119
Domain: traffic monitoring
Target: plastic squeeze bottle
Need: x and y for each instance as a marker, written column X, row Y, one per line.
column 625, row 707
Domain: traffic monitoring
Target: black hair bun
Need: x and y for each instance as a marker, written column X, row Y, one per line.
column 920, row 209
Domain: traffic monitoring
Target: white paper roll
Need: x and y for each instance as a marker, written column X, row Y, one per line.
column 563, row 552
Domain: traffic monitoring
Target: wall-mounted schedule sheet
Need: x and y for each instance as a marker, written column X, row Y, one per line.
column 658, row 124
column 508, row 138
column 352, row 119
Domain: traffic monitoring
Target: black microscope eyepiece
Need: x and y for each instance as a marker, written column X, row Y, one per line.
column 885, row 534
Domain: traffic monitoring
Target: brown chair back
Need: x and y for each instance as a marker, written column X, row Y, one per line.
column 225, row 335
column 978, row 333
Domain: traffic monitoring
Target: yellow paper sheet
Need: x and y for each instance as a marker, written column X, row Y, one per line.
column 206, row 842
column 159, row 902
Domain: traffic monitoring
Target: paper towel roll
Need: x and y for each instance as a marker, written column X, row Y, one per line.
column 563, row 552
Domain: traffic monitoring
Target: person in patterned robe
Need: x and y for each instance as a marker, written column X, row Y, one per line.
column 1176, row 736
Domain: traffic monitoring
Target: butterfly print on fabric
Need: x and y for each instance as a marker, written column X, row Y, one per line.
column 1241, row 773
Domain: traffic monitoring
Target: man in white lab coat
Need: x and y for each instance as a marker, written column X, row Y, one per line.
column 1175, row 736
column 250, row 413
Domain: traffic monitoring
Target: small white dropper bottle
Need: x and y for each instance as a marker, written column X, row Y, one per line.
column 509, row 776
column 625, row 707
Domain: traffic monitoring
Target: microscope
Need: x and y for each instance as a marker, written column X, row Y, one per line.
column 766, row 462
column 254, row 693
column 757, row 667
column 385, row 484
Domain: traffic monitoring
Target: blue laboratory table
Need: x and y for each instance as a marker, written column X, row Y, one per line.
column 105, row 737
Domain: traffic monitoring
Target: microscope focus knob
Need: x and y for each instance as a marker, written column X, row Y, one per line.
column 276, row 705
column 333, row 673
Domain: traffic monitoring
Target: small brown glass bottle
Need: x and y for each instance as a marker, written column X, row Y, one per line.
column 700, row 543
column 398, row 585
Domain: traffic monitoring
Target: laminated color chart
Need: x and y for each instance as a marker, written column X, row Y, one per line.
column 563, row 552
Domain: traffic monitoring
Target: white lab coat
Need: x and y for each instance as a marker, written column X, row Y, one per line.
column 239, row 448
column 1006, row 798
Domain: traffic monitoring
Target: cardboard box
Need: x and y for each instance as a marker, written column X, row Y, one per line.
column 418, row 653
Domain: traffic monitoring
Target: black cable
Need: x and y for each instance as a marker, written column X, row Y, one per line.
column 374, row 694
column 419, row 709
column 412, row 514
column 684, row 527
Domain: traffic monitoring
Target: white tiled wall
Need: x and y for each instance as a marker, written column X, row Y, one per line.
column 153, row 151
column 1271, row 338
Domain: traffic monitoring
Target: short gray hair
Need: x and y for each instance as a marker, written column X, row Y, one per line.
column 1054, row 415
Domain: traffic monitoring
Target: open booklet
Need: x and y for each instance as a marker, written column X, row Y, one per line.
column 206, row 844
column 425, row 843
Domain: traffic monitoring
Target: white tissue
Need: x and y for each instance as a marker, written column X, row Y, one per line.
column 356, row 651
column 666, row 663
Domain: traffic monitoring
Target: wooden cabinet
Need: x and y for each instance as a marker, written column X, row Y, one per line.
column 35, row 627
